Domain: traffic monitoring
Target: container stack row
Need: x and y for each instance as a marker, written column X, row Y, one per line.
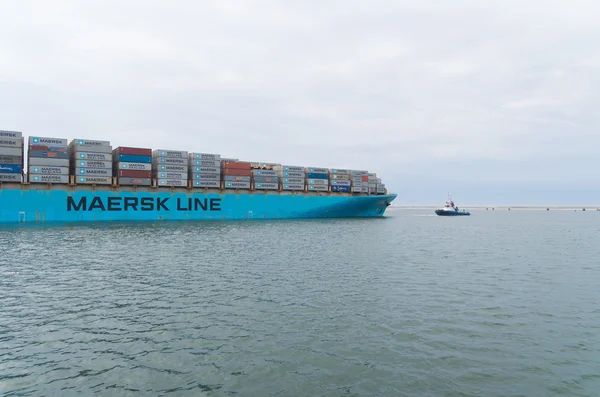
column 360, row 182
column 236, row 174
column 264, row 176
column 91, row 162
column 48, row 160
column 291, row 177
column 317, row 179
column 52, row 160
column 170, row 167
column 205, row 170
column 132, row 166
column 11, row 156
column 340, row 180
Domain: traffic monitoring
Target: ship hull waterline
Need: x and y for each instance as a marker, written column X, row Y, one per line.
column 76, row 204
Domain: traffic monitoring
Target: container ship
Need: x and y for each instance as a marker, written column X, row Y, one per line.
column 90, row 181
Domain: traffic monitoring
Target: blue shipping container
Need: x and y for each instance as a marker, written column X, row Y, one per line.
column 317, row 176
column 10, row 169
column 132, row 158
column 345, row 189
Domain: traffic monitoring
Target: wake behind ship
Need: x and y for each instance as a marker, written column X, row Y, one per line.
column 88, row 181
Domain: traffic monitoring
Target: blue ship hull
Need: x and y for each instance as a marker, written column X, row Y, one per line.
column 74, row 204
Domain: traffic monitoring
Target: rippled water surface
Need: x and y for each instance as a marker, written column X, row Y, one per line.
column 496, row 304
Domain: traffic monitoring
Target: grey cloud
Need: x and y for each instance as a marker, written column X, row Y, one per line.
column 497, row 90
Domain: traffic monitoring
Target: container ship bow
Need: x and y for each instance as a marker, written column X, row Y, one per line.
column 88, row 181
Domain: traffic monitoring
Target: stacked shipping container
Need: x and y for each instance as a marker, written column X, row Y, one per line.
column 291, row 177
column 170, row 167
column 132, row 166
column 205, row 170
column 91, row 162
column 264, row 176
column 340, row 180
column 360, row 181
column 236, row 174
column 317, row 179
column 48, row 160
column 11, row 156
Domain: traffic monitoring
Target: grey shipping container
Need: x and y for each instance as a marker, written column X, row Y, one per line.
column 205, row 156
column 381, row 190
column 338, row 171
column 318, row 188
column 47, row 155
column 37, row 178
column 49, row 170
column 360, row 173
column 205, row 170
column 11, row 142
column 207, row 177
column 173, row 182
column 172, row 175
column 179, row 154
column 338, row 182
column 89, row 142
column 292, row 174
column 48, row 162
column 360, row 189
column 233, row 178
column 205, row 163
column 372, row 174
column 266, row 179
column 11, row 177
column 315, row 170
column 134, row 181
column 266, row 186
column 91, row 148
column 293, row 186
column 93, row 164
column 11, row 151
column 11, row 134
column 93, row 180
column 36, row 140
column 12, row 160
column 292, row 168
column 300, row 181
column 169, row 160
column 48, row 178
column 136, row 166
column 319, row 182
column 204, row 183
column 264, row 172
column 225, row 160
column 346, row 177
column 172, row 168
column 93, row 171
column 237, row 185
column 93, row 156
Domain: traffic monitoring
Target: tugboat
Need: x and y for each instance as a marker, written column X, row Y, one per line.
column 450, row 209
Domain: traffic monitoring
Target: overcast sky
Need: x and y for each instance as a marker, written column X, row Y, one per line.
column 497, row 100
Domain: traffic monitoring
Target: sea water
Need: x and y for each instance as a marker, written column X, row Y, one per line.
column 501, row 303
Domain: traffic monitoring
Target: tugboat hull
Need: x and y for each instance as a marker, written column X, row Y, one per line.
column 452, row 213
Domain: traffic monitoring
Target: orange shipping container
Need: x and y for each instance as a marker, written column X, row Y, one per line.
column 237, row 172
column 238, row 165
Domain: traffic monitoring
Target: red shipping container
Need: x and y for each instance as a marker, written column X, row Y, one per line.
column 39, row 147
column 237, row 172
column 365, row 179
column 45, row 148
column 136, row 151
column 135, row 174
column 237, row 165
